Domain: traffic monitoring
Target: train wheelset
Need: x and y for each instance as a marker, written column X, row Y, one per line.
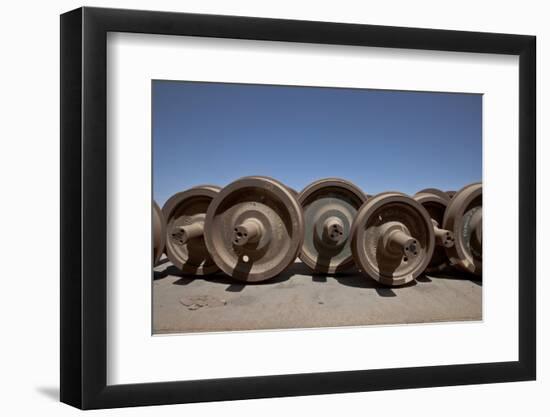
column 329, row 206
column 392, row 238
column 464, row 218
column 436, row 202
column 185, row 215
column 254, row 228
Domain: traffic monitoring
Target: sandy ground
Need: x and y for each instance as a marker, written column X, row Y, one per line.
column 298, row 299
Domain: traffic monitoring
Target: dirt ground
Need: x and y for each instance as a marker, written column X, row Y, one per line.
column 298, row 299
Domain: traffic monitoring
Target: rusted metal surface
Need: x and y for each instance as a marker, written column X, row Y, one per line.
column 185, row 213
column 329, row 207
column 463, row 218
column 159, row 233
column 436, row 204
column 392, row 238
column 254, row 228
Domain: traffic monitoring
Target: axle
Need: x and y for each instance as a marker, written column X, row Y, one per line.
column 248, row 231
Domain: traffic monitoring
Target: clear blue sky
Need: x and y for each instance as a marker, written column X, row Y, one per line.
column 214, row 133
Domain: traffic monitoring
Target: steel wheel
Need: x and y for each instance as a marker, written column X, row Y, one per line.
column 392, row 238
column 185, row 213
column 159, row 233
column 329, row 207
column 463, row 217
column 254, row 228
column 436, row 204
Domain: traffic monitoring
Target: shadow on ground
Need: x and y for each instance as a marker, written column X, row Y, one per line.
column 351, row 278
column 455, row 274
column 50, row 392
column 232, row 284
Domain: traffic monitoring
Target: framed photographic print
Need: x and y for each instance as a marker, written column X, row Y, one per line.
column 258, row 208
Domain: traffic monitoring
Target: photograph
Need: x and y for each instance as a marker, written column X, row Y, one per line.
column 334, row 203
column 298, row 207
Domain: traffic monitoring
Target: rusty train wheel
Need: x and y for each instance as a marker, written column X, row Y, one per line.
column 185, row 213
column 436, row 204
column 329, row 207
column 159, row 233
column 254, row 228
column 392, row 238
column 463, row 218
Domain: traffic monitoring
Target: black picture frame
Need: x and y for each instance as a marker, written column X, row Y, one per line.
column 84, row 207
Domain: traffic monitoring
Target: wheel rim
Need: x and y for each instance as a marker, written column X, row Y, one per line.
column 392, row 214
column 463, row 217
column 254, row 228
column 435, row 205
column 185, row 213
column 159, row 233
column 329, row 207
